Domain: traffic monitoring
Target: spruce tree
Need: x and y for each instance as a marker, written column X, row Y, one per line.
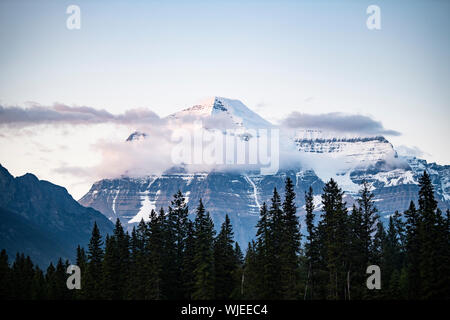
column 310, row 245
column 250, row 288
column 204, row 255
column 177, row 232
column 412, row 246
column 259, row 254
column 81, row 261
column 272, row 270
column 38, row 286
column 224, row 261
column 94, row 281
column 290, row 244
column 5, row 277
column 155, row 248
column 237, row 273
column 188, row 262
column 22, row 274
column 429, row 236
column 335, row 239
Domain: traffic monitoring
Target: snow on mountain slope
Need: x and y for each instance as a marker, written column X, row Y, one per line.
column 225, row 111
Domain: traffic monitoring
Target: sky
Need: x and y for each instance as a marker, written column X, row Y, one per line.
column 277, row 57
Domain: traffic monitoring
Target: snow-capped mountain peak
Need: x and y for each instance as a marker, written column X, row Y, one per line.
column 224, row 113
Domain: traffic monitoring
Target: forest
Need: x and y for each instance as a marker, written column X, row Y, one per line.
column 173, row 257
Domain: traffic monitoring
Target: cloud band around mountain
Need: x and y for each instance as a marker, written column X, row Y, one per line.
column 63, row 114
column 339, row 122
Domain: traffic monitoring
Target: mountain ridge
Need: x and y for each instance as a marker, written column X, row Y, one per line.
column 42, row 219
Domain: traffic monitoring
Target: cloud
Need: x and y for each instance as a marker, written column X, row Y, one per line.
column 338, row 122
column 63, row 114
column 412, row 151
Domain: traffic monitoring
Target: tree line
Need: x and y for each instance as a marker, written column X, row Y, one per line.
column 173, row 257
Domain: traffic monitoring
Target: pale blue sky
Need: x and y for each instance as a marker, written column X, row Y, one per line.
column 275, row 56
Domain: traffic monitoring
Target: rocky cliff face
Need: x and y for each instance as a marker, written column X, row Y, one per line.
column 42, row 219
column 236, row 194
column 240, row 195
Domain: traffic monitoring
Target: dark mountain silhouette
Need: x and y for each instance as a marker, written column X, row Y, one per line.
column 42, row 219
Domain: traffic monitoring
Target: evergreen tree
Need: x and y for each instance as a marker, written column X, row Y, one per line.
column 259, row 255
column 5, row 277
column 310, row 246
column 357, row 255
column 188, row 262
column 334, row 233
column 290, row 244
column 204, row 255
column 225, row 263
column 81, row 261
column 56, row 282
column 431, row 239
column 155, row 247
column 391, row 261
column 272, row 270
column 38, row 286
column 110, row 286
column 250, row 288
column 22, row 275
column 94, row 281
column 238, row 273
column 412, row 246
column 176, row 236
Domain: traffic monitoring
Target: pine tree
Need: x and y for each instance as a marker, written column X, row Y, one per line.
column 334, row 232
column 272, row 270
column 94, row 288
column 357, row 255
column 224, row 261
column 250, row 288
column 237, row 273
column 56, row 282
column 81, row 261
column 176, row 233
column 204, row 255
column 140, row 264
column 38, row 286
column 290, row 244
column 22, row 274
column 155, row 247
column 110, row 286
column 188, row 262
column 310, row 246
column 259, row 255
column 137, row 268
column 5, row 277
column 171, row 289
column 412, row 246
column 391, row 260
column 429, row 236
column 369, row 218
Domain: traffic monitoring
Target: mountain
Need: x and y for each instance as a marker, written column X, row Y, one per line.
column 233, row 113
column 42, row 220
column 315, row 157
